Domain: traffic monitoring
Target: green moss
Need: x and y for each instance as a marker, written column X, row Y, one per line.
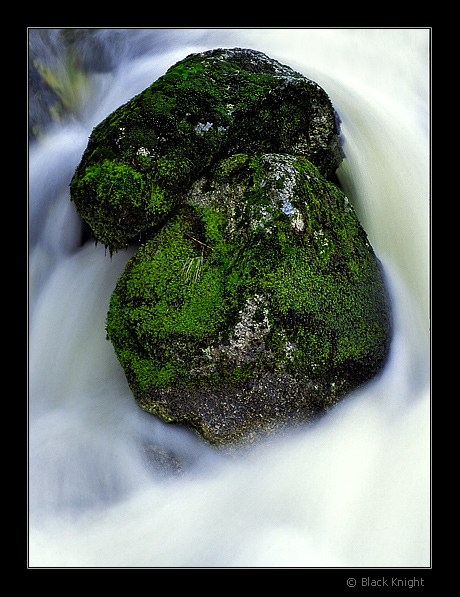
column 160, row 302
column 204, row 108
column 268, row 297
column 255, row 295
column 122, row 192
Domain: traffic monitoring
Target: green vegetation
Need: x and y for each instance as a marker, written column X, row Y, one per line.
column 255, row 296
column 205, row 107
column 176, row 313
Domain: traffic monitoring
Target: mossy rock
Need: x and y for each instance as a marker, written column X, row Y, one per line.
column 142, row 159
column 259, row 302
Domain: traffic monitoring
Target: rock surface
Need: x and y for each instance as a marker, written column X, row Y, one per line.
column 261, row 301
column 142, row 158
column 255, row 298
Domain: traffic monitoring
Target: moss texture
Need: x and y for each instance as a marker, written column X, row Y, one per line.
column 142, row 158
column 261, row 300
column 255, row 298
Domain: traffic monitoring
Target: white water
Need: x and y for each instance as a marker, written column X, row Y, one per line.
column 352, row 491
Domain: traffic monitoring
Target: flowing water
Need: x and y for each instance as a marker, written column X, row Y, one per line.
column 350, row 491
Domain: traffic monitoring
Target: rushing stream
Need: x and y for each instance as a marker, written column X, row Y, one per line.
column 350, row 491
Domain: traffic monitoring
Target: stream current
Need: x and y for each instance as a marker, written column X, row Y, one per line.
column 353, row 490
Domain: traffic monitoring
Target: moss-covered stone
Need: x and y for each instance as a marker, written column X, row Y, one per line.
column 259, row 301
column 255, row 298
column 142, row 159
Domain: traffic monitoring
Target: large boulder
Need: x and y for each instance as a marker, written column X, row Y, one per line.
column 259, row 302
column 255, row 298
column 142, row 159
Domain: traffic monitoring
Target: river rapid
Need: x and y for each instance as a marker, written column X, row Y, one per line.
column 352, row 490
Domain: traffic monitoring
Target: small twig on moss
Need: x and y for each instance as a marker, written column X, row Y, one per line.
column 198, row 241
